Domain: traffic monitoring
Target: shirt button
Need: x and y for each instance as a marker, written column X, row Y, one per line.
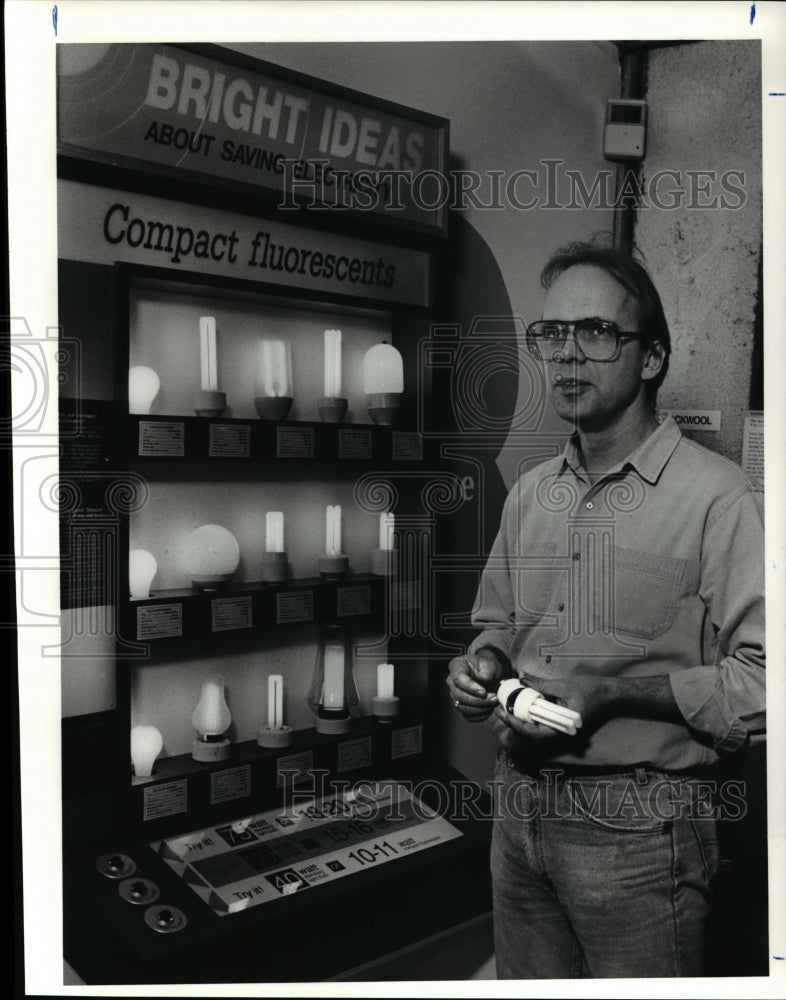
column 590, row 505
column 548, row 659
column 561, row 607
column 576, row 555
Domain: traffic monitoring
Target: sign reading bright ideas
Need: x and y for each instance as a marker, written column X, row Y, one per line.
column 306, row 142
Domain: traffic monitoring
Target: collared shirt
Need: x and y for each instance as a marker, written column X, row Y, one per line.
column 656, row 568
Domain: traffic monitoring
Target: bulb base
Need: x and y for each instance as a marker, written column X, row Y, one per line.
column 273, row 407
column 209, row 751
column 332, row 567
column 208, row 403
column 274, row 737
column 383, row 562
column 274, row 567
column 384, row 708
column 333, row 726
column 211, row 581
column 383, row 407
column 332, row 408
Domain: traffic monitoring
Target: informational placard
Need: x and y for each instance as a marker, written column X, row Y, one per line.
column 407, row 446
column 407, row 742
column 162, row 438
column 294, row 606
column 229, row 441
column 159, row 621
column 354, row 754
column 227, row 613
column 354, row 444
column 753, row 446
column 353, row 601
column 209, row 114
column 265, row 857
column 170, row 799
column 294, row 442
column 234, row 783
column 294, row 766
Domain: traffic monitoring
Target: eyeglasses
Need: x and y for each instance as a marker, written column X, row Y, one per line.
column 599, row 339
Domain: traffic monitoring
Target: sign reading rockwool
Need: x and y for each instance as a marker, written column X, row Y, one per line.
column 697, row 420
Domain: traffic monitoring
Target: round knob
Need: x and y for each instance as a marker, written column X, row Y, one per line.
column 165, row 917
column 138, row 889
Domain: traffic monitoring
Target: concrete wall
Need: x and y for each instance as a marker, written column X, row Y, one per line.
column 705, row 115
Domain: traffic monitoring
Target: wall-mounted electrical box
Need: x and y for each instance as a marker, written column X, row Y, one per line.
column 625, row 132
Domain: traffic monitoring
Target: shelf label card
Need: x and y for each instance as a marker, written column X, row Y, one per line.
column 353, row 754
column 294, row 766
column 165, row 800
column 294, row 442
column 407, row 446
column 234, row 783
column 159, row 621
column 230, row 613
column 161, row 438
column 294, row 606
column 753, row 446
column 353, row 601
column 405, row 596
column 229, row 441
column 406, row 742
column 354, row 443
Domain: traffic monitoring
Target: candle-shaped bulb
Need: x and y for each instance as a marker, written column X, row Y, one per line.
column 332, row 383
column 274, row 531
column 208, row 353
column 211, row 716
column 142, row 568
column 146, row 744
column 383, row 370
column 143, row 386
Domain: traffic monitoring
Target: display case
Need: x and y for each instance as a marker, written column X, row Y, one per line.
column 250, row 507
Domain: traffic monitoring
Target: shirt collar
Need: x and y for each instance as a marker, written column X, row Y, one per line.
column 648, row 459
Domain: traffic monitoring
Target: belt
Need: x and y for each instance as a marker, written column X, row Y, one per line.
column 527, row 764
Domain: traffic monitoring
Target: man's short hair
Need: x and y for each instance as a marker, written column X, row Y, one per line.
column 628, row 272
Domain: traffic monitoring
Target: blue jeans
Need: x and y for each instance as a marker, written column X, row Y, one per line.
column 601, row 876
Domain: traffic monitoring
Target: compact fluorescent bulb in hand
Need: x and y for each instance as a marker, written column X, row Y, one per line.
column 529, row 705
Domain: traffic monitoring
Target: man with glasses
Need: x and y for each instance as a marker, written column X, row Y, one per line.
column 626, row 585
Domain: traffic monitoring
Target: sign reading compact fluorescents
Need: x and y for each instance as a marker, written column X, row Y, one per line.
column 102, row 226
column 310, row 144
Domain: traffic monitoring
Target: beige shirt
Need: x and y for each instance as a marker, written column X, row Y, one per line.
column 657, row 568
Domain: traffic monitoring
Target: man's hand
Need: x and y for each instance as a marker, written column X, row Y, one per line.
column 473, row 681
column 583, row 693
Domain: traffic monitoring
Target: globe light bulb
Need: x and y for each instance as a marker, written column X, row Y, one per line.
column 143, row 386
column 142, row 567
column 146, row 744
column 211, row 555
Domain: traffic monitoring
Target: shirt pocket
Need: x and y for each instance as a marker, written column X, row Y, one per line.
column 641, row 592
column 536, row 575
